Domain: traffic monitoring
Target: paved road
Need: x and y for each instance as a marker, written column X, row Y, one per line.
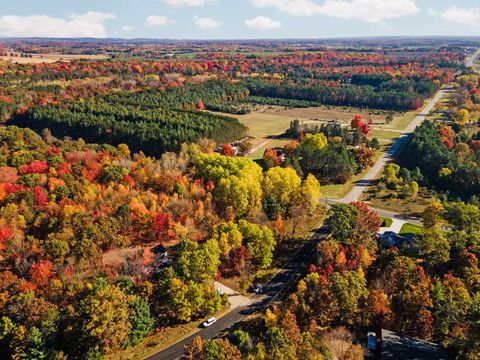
column 274, row 291
column 356, row 193
column 472, row 60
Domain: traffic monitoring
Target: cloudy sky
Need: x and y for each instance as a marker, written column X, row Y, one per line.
column 237, row 19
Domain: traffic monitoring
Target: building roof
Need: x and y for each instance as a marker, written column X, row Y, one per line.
column 391, row 239
column 159, row 250
column 395, row 346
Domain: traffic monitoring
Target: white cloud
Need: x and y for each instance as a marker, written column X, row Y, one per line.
column 127, row 28
column 263, row 23
column 370, row 11
column 432, row 12
column 90, row 24
column 470, row 17
column 156, row 20
column 206, row 23
column 292, row 7
column 190, row 3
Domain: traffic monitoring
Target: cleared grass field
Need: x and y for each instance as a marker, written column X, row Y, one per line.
column 385, row 200
column 266, row 123
column 50, row 58
column 258, row 153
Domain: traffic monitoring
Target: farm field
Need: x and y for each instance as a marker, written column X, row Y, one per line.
column 266, row 123
column 50, row 58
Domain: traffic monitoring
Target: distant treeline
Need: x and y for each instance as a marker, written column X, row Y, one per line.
column 291, row 103
column 366, row 91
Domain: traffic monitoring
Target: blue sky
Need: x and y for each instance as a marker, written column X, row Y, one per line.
column 237, row 19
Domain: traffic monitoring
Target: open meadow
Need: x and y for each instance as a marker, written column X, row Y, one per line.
column 49, row 58
column 266, row 123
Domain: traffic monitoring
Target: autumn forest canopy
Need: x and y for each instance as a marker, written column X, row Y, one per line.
column 137, row 184
column 156, row 105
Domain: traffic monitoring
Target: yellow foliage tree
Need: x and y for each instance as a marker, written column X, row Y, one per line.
column 432, row 213
column 463, row 117
column 281, row 183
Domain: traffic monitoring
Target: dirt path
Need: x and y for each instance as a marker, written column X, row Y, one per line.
column 259, row 146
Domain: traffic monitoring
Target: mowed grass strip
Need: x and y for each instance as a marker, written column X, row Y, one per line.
column 386, row 222
column 410, row 229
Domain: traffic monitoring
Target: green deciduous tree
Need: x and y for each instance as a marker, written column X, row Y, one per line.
column 260, row 243
column 141, row 320
column 433, row 246
column 100, row 321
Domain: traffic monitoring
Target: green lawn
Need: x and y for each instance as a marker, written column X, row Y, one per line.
column 386, row 222
column 401, row 122
column 258, row 154
column 410, row 229
column 385, row 136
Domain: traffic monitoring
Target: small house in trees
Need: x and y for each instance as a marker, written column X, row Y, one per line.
column 391, row 239
column 396, row 346
column 160, row 252
column 161, row 260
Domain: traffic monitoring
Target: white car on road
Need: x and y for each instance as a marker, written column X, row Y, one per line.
column 209, row 322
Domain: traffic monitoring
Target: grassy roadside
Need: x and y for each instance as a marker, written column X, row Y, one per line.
column 158, row 341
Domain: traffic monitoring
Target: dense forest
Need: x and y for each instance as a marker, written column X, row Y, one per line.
column 364, row 74
column 428, row 289
column 118, row 216
column 455, row 169
column 78, row 278
column 447, row 154
column 388, row 97
column 150, row 121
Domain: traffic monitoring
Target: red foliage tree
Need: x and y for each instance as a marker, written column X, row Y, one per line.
column 270, row 156
column 41, row 273
column 35, row 167
column 448, row 136
column 227, row 150
column 41, row 198
column 6, row 233
column 164, row 227
column 357, row 123
column 200, row 105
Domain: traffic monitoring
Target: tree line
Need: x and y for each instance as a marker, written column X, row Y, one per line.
column 344, row 95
